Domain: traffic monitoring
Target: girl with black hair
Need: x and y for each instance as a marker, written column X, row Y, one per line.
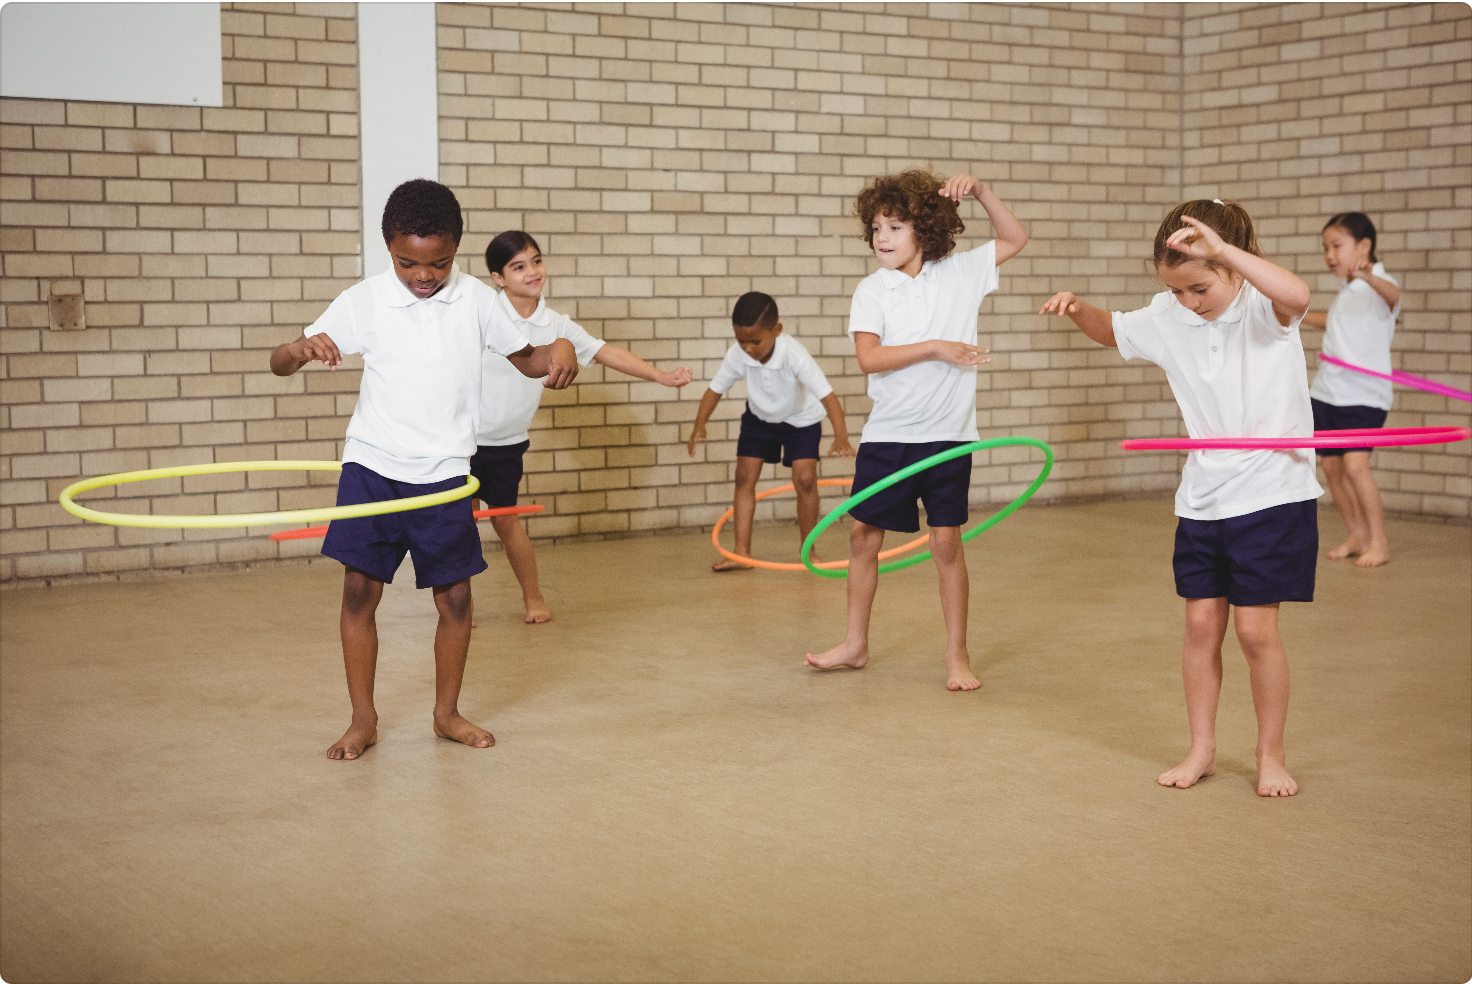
column 1360, row 324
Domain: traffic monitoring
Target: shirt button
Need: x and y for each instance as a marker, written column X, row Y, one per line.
column 1213, row 348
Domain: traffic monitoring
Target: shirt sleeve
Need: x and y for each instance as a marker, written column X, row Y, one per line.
column 730, row 373
column 499, row 334
column 980, row 266
column 338, row 324
column 1260, row 310
column 805, row 368
column 1136, row 335
column 583, row 343
column 867, row 313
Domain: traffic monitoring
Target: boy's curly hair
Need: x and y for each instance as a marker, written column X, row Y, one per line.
column 422, row 208
column 912, row 196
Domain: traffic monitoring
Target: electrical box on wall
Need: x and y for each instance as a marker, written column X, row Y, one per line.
column 68, row 310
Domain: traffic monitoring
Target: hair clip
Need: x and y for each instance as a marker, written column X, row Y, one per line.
column 1219, row 201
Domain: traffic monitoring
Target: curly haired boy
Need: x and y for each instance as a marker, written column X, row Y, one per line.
column 913, row 323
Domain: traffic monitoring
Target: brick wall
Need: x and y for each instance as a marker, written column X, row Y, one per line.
column 200, row 238
column 1301, row 111
column 669, row 158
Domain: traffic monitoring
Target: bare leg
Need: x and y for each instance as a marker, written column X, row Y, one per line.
column 864, row 543
column 1267, row 666
column 1201, row 669
column 805, row 481
column 1349, row 509
column 1371, row 509
column 360, row 597
column 524, row 565
column 955, row 595
column 451, row 645
column 748, row 472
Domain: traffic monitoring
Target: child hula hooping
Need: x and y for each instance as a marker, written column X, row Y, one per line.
column 1226, row 334
column 786, row 398
column 913, row 323
column 420, row 327
column 509, row 400
column 1360, row 324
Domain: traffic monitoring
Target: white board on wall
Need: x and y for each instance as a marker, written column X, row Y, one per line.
column 158, row 53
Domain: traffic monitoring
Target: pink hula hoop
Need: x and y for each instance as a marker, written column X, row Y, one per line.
column 1379, row 437
column 1405, row 379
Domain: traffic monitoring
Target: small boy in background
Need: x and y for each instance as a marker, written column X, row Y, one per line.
column 420, row 327
column 786, row 398
column 913, row 323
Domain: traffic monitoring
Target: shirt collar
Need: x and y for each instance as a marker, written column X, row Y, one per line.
column 399, row 296
column 893, row 278
column 1230, row 316
column 541, row 317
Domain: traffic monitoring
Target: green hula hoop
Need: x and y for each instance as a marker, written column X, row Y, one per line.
column 919, row 466
column 321, row 514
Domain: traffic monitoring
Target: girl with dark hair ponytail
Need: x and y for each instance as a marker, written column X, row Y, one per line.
column 508, row 401
column 1360, row 324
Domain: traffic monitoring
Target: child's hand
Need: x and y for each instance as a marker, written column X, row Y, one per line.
column 1061, row 303
column 1360, row 272
column 840, row 448
column 1197, row 239
column 676, row 378
column 961, row 185
column 316, row 348
column 960, row 354
column 564, row 365
column 696, row 435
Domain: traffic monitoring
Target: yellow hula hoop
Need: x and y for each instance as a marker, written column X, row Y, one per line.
column 324, row 514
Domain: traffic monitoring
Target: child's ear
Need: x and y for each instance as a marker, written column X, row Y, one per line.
column 777, row 330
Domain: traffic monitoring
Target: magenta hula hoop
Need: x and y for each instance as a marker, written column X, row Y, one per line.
column 1379, row 437
column 1405, row 379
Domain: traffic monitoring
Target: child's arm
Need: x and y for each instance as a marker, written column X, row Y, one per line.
column 291, row 356
column 1011, row 237
column 840, row 445
column 1097, row 323
column 707, row 407
column 557, row 362
column 1389, row 292
column 1315, row 319
column 1289, row 295
column 874, row 357
column 630, row 364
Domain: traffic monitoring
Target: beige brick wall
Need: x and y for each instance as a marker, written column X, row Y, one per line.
column 671, row 157
column 200, row 239
column 1301, row 111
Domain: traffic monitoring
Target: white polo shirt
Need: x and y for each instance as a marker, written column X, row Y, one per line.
column 1360, row 327
column 786, row 389
column 931, row 400
column 509, row 400
column 415, row 418
column 1242, row 375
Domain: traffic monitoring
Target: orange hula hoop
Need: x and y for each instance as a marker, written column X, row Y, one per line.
column 715, row 535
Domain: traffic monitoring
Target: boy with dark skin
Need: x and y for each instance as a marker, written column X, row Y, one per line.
column 422, row 261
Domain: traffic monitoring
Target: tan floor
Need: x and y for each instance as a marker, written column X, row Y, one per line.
column 675, row 797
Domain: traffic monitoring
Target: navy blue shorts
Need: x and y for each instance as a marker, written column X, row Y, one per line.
column 777, row 442
column 443, row 538
column 1328, row 417
column 1261, row 558
column 945, row 489
column 498, row 466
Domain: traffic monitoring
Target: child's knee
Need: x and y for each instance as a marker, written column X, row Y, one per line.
column 453, row 602
column 805, row 482
column 360, row 593
column 945, row 544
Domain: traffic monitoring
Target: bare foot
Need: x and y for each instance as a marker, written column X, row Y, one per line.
column 1349, row 548
column 1374, row 557
column 853, row 656
column 357, row 740
column 729, row 565
column 958, row 673
column 537, row 611
column 1198, row 765
column 1273, row 778
column 456, row 728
